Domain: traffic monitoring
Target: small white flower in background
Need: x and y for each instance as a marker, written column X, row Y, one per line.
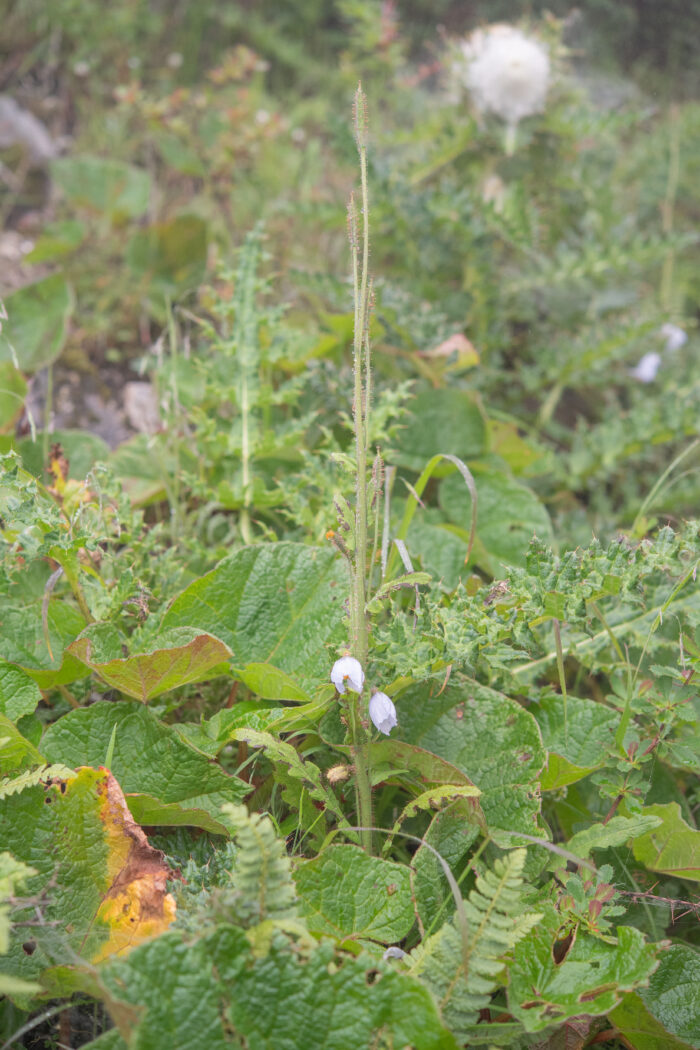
column 647, row 368
column 675, row 337
column 347, row 671
column 506, row 72
column 383, row 713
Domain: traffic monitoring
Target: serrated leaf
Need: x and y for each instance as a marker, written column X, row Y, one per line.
column 19, row 695
column 490, row 739
column 577, row 737
column 174, row 658
column 14, row 784
column 194, row 993
column 616, row 832
column 666, row 1015
column 281, row 604
column 593, row 978
column 673, row 847
column 150, row 758
column 462, row 969
column 346, row 893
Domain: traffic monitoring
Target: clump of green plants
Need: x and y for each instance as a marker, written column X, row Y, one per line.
column 412, row 776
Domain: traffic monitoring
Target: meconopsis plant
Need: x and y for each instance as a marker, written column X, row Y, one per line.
column 506, row 73
column 355, row 539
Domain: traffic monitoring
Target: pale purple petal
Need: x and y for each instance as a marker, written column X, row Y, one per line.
column 383, row 713
column 647, row 368
column 674, row 335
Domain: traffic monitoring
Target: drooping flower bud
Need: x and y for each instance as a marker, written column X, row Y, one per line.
column 347, row 672
column 647, row 367
column 383, row 713
column 674, row 335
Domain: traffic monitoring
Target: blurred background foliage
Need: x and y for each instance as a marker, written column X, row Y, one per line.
column 171, row 130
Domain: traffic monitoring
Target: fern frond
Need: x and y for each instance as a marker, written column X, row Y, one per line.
column 262, row 882
column 32, row 777
column 461, row 975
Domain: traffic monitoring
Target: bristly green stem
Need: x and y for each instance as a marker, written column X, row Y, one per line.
column 562, row 674
column 361, row 367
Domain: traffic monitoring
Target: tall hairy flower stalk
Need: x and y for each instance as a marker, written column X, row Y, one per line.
column 358, row 232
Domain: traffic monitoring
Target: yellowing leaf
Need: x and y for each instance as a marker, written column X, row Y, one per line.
column 103, row 885
column 137, row 905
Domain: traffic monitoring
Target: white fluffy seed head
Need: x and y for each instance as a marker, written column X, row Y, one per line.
column 506, row 72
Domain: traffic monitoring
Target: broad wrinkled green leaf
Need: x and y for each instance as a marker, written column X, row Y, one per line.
column 19, row 694
column 270, row 683
column 490, row 738
column 448, row 421
column 666, row 1015
column 451, row 833
column 149, row 759
column 576, row 741
column 172, row 254
column 346, row 893
column 174, row 658
column 22, row 641
column 193, row 993
column 104, row 885
column 106, row 186
column 37, row 322
column 15, row 750
column 673, row 847
column 592, row 978
column 509, row 515
column 280, row 604
column 13, row 389
column 442, row 549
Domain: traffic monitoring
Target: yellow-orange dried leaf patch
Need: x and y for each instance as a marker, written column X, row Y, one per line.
column 136, row 905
